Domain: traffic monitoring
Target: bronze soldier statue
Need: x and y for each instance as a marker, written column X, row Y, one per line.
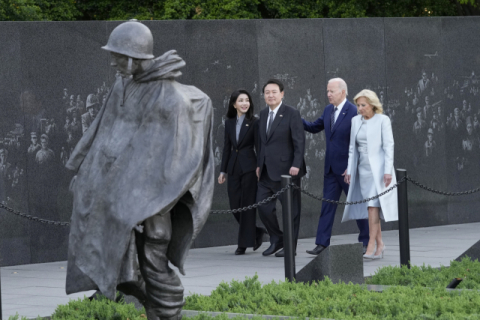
column 144, row 182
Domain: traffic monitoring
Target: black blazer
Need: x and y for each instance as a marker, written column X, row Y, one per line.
column 284, row 147
column 242, row 152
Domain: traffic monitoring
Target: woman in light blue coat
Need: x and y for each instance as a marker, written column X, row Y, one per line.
column 370, row 170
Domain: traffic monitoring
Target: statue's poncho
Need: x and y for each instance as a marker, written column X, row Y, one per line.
column 148, row 151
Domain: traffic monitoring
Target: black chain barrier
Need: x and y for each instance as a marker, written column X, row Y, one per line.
column 32, row 218
column 354, row 202
column 271, row 198
column 253, row 206
column 462, row 193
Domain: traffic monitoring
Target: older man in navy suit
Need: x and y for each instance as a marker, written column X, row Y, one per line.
column 336, row 121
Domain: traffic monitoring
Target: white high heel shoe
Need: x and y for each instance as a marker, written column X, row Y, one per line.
column 380, row 256
column 370, row 256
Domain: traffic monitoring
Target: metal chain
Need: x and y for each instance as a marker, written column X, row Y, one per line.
column 271, row 198
column 462, row 193
column 32, row 218
column 254, row 206
column 354, row 202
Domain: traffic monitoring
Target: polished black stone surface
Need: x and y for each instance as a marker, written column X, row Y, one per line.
column 414, row 56
column 473, row 252
column 339, row 263
column 389, row 56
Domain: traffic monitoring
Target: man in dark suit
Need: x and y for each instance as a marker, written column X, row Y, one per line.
column 336, row 121
column 281, row 147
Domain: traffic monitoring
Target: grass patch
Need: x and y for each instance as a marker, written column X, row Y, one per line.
column 337, row 301
column 426, row 276
column 407, row 299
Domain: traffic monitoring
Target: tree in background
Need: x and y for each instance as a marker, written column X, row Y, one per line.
column 64, row 10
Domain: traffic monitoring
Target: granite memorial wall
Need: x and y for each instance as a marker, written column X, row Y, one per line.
column 54, row 78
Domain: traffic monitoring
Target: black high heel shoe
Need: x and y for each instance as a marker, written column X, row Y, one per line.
column 240, row 251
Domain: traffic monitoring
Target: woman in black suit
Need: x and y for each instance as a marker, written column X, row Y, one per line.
column 239, row 162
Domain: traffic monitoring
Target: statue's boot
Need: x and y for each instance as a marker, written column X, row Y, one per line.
column 164, row 289
column 152, row 315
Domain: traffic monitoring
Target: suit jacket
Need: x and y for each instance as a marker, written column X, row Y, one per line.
column 241, row 152
column 284, row 147
column 380, row 147
column 338, row 139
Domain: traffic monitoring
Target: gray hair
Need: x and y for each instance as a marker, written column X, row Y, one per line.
column 341, row 84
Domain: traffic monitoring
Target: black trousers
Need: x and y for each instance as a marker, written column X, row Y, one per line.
column 268, row 212
column 242, row 191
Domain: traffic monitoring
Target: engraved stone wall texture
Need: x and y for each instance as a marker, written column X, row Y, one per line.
column 426, row 72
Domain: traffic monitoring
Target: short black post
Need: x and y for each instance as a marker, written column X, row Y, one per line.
column 288, row 240
column 403, row 227
column 454, row 283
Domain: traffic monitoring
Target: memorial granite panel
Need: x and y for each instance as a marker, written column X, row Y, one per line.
column 14, row 236
column 221, row 57
column 55, row 57
column 415, row 106
column 461, row 65
column 41, row 59
column 292, row 52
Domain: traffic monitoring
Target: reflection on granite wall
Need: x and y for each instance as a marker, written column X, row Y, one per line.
column 54, row 78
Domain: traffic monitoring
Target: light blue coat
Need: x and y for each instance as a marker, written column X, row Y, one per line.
column 380, row 148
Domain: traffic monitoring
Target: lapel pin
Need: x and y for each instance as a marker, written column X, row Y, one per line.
column 281, row 115
column 246, row 125
column 344, row 113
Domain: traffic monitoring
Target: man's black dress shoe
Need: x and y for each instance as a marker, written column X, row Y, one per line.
column 281, row 253
column 364, row 249
column 259, row 239
column 272, row 249
column 240, row 250
column 317, row 250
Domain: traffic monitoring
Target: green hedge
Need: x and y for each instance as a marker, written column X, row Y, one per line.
column 408, row 300
column 105, row 309
column 338, row 301
column 426, row 276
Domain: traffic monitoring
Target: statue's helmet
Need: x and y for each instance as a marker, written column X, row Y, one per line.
column 132, row 39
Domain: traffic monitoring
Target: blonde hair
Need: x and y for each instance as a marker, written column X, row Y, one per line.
column 372, row 100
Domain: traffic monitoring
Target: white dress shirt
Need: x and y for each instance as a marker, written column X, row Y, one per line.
column 339, row 109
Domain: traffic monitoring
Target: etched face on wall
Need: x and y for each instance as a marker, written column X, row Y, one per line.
column 3, row 156
column 44, row 142
column 91, row 111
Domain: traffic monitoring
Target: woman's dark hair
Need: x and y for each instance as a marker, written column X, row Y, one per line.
column 232, row 112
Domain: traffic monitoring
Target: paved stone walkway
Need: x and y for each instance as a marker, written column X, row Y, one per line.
column 37, row 289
